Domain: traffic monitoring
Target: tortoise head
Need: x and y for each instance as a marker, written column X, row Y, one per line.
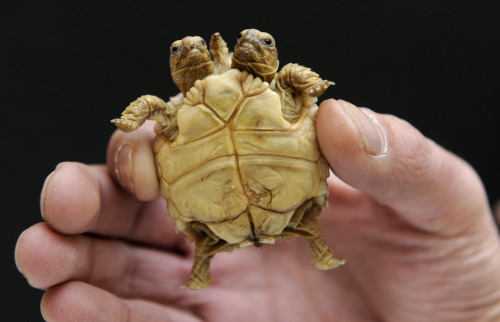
column 189, row 61
column 256, row 53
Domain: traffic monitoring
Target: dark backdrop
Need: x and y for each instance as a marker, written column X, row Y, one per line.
column 67, row 69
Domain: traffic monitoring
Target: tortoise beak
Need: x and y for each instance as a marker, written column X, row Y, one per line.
column 250, row 38
column 250, row 42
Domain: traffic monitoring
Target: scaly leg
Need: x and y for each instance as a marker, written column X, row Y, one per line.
column 200, row 273
column 220, row 54
column 298, row 87
column 206, row 247
column 322, row 255
column 308, row 228
column 149, row 107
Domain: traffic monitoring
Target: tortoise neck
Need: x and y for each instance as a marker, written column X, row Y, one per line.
column 265, row 72
column 186, row 77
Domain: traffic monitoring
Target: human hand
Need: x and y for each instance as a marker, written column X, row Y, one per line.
column 411, row 219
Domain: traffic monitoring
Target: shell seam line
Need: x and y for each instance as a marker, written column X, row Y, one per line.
column 215, row 222
column 240, row 214
column 237, row 163
column 213, row 111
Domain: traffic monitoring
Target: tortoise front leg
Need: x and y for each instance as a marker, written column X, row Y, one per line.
column 302, row 80
column 220, row 54
column 298, row 87
column 146, row 107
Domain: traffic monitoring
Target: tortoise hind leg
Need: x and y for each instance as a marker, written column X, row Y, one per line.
column 207, row 245
column 308, row 228
column 200, row 273
column 322, row 255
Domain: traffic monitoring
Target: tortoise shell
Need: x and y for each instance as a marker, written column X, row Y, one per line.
column 237, row 166
column 236, row 151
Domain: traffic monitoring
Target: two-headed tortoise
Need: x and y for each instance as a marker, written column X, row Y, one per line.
column 237, row 155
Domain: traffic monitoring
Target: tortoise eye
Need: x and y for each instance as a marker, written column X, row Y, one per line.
column 175, row 49
column 203, row 43
column 268, row 41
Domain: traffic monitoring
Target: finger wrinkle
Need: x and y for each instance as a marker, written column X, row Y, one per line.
column 89, row 259
column 134, row 228
column 128, row 286
column 409, row 165
column 413, row 169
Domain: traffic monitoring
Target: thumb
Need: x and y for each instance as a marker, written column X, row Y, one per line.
column 391, row 161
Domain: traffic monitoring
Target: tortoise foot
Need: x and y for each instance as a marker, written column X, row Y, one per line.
column 327, row 262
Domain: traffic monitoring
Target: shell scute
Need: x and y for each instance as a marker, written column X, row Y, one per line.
column 196, row 122
column 233, row 231
column 223, row 93
column 212, row 193
column 299, row 141
column 268, row 222
column 277, row 183
column 175, row 161
column 260, row 112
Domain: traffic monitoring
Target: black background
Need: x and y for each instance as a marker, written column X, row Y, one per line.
column 67, row 69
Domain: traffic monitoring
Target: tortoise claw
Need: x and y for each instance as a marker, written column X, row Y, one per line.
column 126, row 125
column 319, row 88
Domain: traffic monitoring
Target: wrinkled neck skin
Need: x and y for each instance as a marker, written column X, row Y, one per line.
column 263, row 71
column 186, row 77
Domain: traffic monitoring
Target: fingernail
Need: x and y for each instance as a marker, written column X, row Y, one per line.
column 370, row 129
column 123, row 166
column 44, row 192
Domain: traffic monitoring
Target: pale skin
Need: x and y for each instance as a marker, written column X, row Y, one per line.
column 411, row 219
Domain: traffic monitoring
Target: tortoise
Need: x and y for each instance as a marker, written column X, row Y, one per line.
column 237, row 155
